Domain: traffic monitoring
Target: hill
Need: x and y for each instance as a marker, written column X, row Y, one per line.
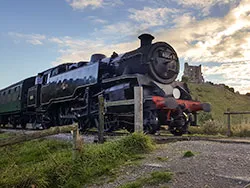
column 220, row 99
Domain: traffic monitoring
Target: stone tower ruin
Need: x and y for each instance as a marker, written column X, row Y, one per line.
column 193, row 73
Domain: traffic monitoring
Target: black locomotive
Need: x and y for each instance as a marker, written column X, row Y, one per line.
column 69, row 92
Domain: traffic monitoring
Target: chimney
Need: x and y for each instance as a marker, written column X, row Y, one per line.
column 146, row 39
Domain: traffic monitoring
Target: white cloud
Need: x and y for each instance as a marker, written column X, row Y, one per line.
column 96, row 20
column 82, row 4
column 74, row 50
column 234, row 74
column 149, row 17
column 35, row 39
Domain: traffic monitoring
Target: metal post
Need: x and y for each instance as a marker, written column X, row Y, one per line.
column 138, row 108
column 101, row 119
column 228, row 123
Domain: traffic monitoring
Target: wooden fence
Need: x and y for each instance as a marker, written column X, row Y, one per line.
column 138, row 110
column 228, row 113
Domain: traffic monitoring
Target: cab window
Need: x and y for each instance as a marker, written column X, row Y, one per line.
column 58, row 70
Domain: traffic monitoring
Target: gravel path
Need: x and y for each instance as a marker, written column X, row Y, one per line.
column 218, row 165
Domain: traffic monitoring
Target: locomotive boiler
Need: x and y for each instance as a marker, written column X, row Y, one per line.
column 69, row 92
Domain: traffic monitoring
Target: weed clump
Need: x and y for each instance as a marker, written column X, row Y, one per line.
column 163, row 159
column 155, row 178
column 188, row 154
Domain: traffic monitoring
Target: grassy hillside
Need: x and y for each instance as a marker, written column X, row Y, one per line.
column 220, row 99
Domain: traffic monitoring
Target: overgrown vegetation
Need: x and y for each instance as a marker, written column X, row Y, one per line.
column 188, row 154
column 221, row 99
column 213, row 127
column 48, row 163
column 156, row 178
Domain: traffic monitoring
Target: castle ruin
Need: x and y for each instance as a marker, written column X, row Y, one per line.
column 193, row 73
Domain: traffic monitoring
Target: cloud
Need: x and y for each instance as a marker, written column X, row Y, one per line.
column 35, row 39
column 74, row 50
column 149, row 17
column 205, row 6
column 82, row 4
column 212, row 39
column 96, row 20
column 234, row 74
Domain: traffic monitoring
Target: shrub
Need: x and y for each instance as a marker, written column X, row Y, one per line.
column 204, row 116
column 214, row 127
column 210, row 127
column 241, row 130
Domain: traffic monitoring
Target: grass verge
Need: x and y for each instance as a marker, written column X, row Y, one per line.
column 48, row 163
column 156, row 178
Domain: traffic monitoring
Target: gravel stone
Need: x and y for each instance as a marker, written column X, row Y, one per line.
column 214, row 165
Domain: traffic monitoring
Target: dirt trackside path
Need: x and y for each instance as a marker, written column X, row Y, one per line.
column 218, row 165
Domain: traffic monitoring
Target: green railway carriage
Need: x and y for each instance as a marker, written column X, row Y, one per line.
column 13, row 101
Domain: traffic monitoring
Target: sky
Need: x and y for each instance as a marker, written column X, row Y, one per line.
column 37, row 35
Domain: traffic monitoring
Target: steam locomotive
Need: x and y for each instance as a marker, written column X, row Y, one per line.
column 69, row 92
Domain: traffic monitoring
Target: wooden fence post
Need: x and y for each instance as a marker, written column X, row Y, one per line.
column 228, row 123
column 101, row 119
column 77, row 143
column 138, row 108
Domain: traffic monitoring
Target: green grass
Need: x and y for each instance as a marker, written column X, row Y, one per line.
column 48, row 163
column 163, row 159
column 188, row 154
column 220, row 99
column 156, row 178
column 6, row 135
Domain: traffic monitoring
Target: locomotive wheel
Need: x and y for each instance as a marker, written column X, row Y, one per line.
column 177, row 132
column 63, row 112
column 179, row 126
column 87, row 122
column 23, row 125
column 150, row 122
